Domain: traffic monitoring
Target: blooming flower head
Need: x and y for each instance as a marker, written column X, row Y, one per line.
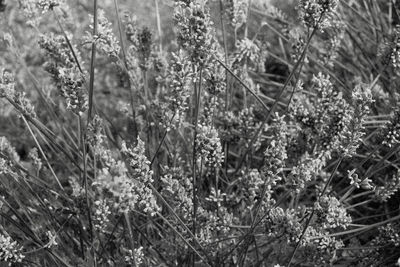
column 95, row 137
column 135, row 257
column 305, row 171
column 331, row 115
column 179, row 78
column 331, row 213
column 248, row 52
column 34, row 9
column 101, row 215
column 195, row 33
column 275, row 154
column 7, row 83
column 105, row 39
column 10, row 251
column 286, row 223
column 7, row 90
column 34, row 156
column 10, row 154
column 144, row 47
column 365, row 184
column 318, row 247
column 62, row 66
column 395, row 48
column 52, row 239
column 391, row 133
column 298, row 44
column 237, row 11
column 178, row 189
column 130, row 186
column 209, row 146
column 390, row 187
column 317, row 13
column 354, row 129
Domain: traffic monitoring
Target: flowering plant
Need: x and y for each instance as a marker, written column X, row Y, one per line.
column 199, row 133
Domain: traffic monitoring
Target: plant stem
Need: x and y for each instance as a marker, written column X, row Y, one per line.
column 92, row 61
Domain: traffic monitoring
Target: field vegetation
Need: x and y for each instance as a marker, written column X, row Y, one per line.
column 199, row 133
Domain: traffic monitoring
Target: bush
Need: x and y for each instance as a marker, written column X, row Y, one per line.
column 199, row 133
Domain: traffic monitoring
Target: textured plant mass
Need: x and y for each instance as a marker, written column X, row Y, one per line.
column 199, row 133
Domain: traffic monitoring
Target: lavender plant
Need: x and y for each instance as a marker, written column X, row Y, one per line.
column 199, row 133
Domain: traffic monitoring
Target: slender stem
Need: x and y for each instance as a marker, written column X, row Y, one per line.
column 42, row 153
column 161, row 142
column 226, row 145
column 92, row 61
column 194, row 178
column 68, row 41
column 85, row 180
column 158, row 21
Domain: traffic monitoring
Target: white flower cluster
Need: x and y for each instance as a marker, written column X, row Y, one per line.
column 208, row 144
column 130, row 187
column 248, row 52
column 7, row 83
column 321, row 247
column 177, row 188
column 195, row 32
column 331, row 213
column 143, row 176
column 10, row 251
column 395, row 48
column 135, row 257
column 280, row 222
column 77, row 189
column 72, row 89
column 34, row 156
column 390, row 187
column 365, row 184
column 392, row 131
column 11, row 156
column 179, row 79
column 254, row 182
column 214, row 223
column 65, row 72
column 101, row 214
column 52, row 239
column 239, row 12
column 8, row 150
column 34, row 9
column 5, row 167
column 105, row 39
column 95, row 137
column 7, row 90
column 276, row 154
column 354, row 131
column 305, row 171
column 317, row 13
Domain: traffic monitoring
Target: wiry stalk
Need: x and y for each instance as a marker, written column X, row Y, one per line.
column 194, row 155
column 92, row 61
column 42, row 153
column 82, row 135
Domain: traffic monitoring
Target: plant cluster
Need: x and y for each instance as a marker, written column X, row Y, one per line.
column 255, row 133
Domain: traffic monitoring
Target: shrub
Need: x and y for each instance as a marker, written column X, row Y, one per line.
column 199, row 133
